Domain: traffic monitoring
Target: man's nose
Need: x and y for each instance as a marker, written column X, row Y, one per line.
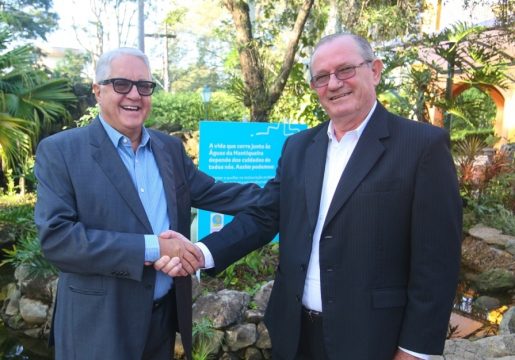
column 334, row 82
column 134, row 92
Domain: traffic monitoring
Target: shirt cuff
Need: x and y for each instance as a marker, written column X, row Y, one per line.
column 209, row 262
column 420, row 356
column 151, row 248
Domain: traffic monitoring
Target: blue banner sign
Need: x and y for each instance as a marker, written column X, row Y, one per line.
column 240, row 152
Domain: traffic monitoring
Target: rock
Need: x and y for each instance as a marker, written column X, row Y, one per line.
column 33, row 333
column 495, row 280
column 496, row 346
column 195, row 287
column 228, row 356
column 263, row 338
column 252, row 353
column 510, row 247
column 33, row 286
column 254, row 316
column 33, row 312
column 224, row 308
column 493, row 347
column 507, row 325
column 486, row 303
column 13, row 304
column 481, row 231
column 240, row 336
column 490, row 235
column 262, row 296
column 479, row 256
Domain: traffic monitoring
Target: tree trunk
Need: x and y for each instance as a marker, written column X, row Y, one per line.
column 261, row 98
column 141, row 25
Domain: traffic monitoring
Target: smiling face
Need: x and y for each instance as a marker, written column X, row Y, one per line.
column 347, row 102
column 126, row 113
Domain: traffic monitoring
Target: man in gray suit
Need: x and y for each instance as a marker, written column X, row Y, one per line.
column 105, row 192
column 369, row 219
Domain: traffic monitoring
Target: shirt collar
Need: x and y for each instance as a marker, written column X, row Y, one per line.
column 117, row 137
column 357, row 131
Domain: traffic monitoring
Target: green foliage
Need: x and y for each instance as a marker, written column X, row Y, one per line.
column 27, row 19
column 29, row 102
column 298, row 103
column 473, row 110
column 486, row 186
column 17, row 217
column 72, row 67
column 203, row 340
column 27, row 252
column 91, row 113
column 496, row 216
column 484, row 134
column 386, row 19
column 246, row 273
column 471, row 51
column 408, row 86
column 186, row 109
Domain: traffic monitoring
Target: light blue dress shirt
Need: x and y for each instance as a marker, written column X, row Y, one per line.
column 145, row 175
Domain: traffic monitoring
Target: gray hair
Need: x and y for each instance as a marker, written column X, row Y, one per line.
column 103, row 70
column 364, row 46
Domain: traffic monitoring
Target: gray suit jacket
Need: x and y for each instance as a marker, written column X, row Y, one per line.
column 91, row 225
column 389, row 248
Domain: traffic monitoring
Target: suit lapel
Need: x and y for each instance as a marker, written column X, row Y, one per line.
column 106, row 155
column 316, row 154
column 368, row 150
column 165, row 165
column 183, row 285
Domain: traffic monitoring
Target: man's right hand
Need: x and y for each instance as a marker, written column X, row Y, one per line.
column 179, row 257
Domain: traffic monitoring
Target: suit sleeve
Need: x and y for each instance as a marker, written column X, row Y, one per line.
column 67, row 242
column 249, row 229
column 436, row 231
column 208, row 194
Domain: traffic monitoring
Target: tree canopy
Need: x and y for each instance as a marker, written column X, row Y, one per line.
column 27, row 19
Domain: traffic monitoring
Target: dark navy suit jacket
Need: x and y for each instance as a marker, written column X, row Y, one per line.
column 389, row 248
column 91, row 225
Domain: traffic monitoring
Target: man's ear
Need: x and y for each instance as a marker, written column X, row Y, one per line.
column 96, row 90
column 377, row 68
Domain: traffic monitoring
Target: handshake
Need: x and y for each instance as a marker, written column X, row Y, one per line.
column 178, row 255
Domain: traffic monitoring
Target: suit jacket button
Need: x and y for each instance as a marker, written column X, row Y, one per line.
column 298, row 298
column 303, row 267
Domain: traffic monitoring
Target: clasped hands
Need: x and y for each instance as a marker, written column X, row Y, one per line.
column 178, row 256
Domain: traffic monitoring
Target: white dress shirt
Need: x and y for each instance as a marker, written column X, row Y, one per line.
column 338, row 155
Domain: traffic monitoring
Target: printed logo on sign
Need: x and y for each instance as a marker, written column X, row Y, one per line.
column 217, row 222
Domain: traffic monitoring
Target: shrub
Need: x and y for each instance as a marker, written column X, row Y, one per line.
column 17, row 214
column 486, row 185
column 185, row 110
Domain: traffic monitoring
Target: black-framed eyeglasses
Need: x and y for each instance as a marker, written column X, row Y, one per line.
column 343, row 73
column 124, row 86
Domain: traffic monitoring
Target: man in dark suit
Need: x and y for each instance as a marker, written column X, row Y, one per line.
column 104, row 191
column 369, row 219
